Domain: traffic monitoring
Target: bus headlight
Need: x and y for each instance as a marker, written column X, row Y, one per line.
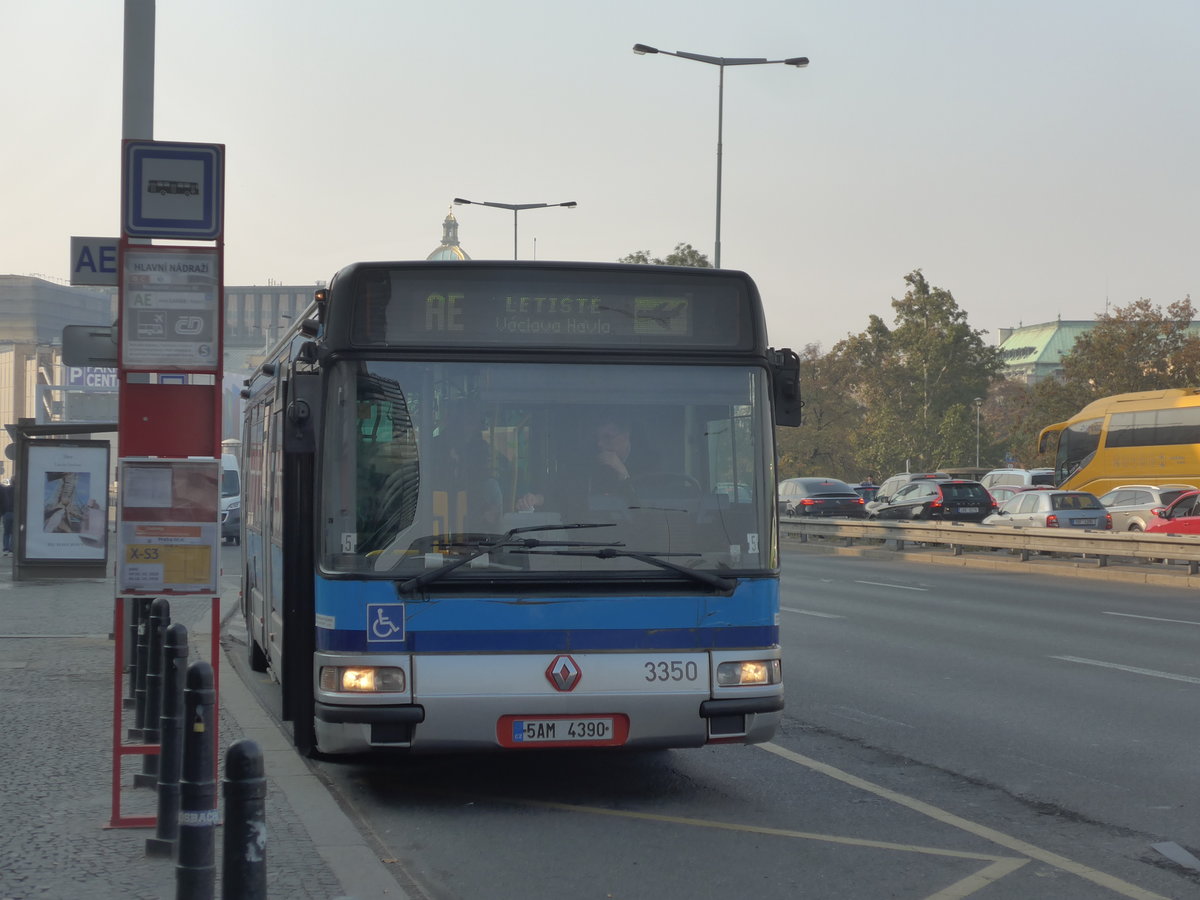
column 362, row 679
column 751, row 671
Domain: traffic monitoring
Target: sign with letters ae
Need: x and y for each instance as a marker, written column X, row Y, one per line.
column 172, row 190
column 94, row 260
column 170, row 310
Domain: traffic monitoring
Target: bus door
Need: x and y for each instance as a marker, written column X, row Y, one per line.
column 274, row 532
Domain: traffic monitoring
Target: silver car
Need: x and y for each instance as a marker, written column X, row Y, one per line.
column 1053, row 509
column 1130, row 504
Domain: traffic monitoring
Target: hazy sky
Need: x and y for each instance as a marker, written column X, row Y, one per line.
column 1034, row 158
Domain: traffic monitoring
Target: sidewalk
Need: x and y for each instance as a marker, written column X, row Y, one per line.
column 56, row 661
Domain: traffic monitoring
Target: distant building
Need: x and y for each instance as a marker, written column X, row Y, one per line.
column 449, row 248
column 1033, row 352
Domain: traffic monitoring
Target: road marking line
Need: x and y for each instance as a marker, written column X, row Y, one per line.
column 1104, row 880
column 901, row 587
column 1152, row 618
column 809, row 612
column 1153, row 673
column 979, row 880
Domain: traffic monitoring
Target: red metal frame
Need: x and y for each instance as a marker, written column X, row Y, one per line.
column 120, row 749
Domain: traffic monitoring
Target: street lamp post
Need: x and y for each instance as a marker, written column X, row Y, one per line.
column 516, row 208
column 978, row 405
column 721, row 62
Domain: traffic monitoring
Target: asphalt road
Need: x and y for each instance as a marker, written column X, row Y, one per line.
column 949, row 733
column 1077, row 694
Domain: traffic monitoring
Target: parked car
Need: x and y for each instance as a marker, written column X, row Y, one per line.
column 1017, row 478
column 896, row 483
column 1130, row 504
column 867, row 490
column 1181, row 517
column 957, row 501
column 1053, row 509
column 819, row 497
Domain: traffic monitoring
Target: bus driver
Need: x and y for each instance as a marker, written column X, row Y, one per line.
column 609, row 471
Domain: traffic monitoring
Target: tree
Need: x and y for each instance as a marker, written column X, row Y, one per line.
column 917, row 382
column 1138, row 347
column 683, row 255
column 825, row 444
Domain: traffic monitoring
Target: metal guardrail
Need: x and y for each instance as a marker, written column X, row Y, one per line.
column 1101, row 545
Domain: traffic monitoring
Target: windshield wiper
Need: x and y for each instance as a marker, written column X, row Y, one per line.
column 508, row 541
column 652, row 558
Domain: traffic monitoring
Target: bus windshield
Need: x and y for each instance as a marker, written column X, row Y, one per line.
column 1076, row 443
column 546, row 470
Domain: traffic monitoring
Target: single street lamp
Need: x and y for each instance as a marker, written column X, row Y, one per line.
column 721, row 62
column 516, row 208
column 978, row 405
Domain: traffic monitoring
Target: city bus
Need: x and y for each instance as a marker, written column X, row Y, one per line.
column 486, row 506
column 1147, row 437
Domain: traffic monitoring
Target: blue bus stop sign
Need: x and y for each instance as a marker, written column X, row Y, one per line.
column 172, row 190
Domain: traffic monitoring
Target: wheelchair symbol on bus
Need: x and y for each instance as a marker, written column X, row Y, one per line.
column 385, row 622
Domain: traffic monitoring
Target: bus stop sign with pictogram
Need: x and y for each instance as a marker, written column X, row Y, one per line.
column 172, row 190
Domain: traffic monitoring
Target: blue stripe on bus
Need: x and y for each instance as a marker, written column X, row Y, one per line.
column 474, row 624
column 557, row 641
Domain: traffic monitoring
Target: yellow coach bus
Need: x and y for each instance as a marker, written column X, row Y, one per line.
column 1148, row 437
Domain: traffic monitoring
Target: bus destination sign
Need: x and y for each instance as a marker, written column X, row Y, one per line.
column 562, row 316
column 407, row 311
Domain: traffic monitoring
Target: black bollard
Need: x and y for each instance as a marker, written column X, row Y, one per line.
column 198, row 816
column 140, row 656
column 160, row 620
column 170, row 753
column 244, row 860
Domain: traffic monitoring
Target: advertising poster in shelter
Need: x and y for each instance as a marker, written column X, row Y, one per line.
column 169, row 526
column 66, row 501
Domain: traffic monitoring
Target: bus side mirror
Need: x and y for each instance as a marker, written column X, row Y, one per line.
column 785, row 385
column 300, row 430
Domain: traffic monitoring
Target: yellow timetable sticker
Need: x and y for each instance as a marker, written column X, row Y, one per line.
column 174, row 564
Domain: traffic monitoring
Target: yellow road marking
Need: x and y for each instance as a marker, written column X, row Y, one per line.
column 979, row 880
column 1109, row 882
column 776, row 832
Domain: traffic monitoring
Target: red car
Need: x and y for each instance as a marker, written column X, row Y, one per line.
column 1181, row 517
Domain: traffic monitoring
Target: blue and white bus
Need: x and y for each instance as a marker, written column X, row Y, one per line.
column 519, row 504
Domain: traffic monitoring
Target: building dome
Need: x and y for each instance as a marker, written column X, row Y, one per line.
column 449, row 248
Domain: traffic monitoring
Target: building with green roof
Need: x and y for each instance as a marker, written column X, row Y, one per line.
column 1033, row 352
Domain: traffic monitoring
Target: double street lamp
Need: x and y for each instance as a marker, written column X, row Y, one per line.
column 721, row 62
column 516, row 208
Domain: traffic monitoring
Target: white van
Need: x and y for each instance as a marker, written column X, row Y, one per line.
column 1018, row 478
column 231, row 499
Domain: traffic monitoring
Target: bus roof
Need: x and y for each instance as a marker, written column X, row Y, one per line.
column 549, row 305
column 1139, row 400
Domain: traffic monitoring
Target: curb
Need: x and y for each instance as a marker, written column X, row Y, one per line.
column 362, row 875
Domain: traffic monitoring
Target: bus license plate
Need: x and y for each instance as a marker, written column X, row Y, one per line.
column 592, row 731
